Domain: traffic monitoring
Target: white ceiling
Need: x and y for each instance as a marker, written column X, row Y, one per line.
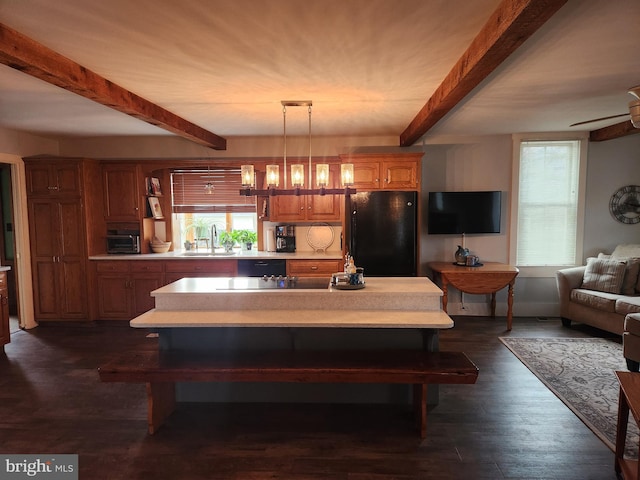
column 367, row 65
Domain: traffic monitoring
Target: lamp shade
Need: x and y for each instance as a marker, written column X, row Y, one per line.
column 297, row 175
column 322, row 174
column 346, row 174
column 273, row 175
column 247, row 175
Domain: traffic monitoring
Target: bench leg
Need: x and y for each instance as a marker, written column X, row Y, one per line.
column 161, row 401
column 420, row 407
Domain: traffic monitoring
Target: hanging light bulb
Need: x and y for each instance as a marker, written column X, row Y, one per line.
column 208, row 187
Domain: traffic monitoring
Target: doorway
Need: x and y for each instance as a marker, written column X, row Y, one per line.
column 7, row 242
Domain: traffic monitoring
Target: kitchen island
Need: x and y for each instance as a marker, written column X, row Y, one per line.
column 293, row 340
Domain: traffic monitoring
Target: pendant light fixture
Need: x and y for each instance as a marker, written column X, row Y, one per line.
column 296, row 184
column 208, row 187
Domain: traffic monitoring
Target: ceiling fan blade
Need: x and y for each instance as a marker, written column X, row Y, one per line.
column 599, row 119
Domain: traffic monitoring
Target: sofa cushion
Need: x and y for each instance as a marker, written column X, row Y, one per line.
column 631, row 282
column 593, row 299
column 604, row 275
column 626, row 304
column 626, row 250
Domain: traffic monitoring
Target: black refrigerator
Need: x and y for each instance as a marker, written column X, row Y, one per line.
column 382, row 232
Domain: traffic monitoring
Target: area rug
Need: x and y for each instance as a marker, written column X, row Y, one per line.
column 581, row 373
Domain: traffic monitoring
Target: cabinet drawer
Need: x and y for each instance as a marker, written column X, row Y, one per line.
column 146, row 266
column 3, row 279
column 306, row 268
column 202, row 266
column 107, row 267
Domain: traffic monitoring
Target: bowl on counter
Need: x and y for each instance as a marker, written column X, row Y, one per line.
column 160, row 247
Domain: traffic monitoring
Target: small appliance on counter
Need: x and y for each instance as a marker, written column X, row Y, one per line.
column 123, row 241
column 285, row 238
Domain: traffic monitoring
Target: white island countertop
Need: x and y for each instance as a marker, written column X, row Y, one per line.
column 390, row 302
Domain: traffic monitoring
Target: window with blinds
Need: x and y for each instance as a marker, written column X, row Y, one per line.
column 548, row 201
column 189, row 194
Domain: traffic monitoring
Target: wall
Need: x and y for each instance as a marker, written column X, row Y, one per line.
column 612, row 165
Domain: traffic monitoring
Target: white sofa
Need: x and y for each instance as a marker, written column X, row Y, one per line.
column 598, row 294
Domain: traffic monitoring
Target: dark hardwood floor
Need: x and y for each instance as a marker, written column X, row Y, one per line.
column 508, row 425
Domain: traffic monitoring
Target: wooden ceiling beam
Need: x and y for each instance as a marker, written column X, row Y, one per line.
column 513, row 22
column 28, row 56
column 613, row 131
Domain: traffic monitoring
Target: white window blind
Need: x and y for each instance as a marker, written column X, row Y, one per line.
column 548, row 203
column 188, row 192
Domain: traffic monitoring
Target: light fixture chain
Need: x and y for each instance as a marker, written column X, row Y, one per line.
column 284, row 119
column 310, row 170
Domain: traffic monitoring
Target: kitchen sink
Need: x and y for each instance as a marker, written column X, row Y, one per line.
column 208, row 254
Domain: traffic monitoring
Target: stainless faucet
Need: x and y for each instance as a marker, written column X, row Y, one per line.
column 214, row 237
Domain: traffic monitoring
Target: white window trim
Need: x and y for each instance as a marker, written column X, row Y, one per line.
column 547, row 271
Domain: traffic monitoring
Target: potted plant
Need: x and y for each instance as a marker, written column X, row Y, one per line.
column 246, row 238
column 227, row 240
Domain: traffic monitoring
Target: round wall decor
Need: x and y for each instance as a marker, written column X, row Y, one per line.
column 625, row 204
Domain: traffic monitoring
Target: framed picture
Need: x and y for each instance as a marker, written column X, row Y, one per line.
column 156, row 210
column 155, row 186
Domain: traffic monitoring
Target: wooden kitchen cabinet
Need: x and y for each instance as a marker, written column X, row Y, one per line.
column 5, row 336
column 311, row 208
column 122, row 194
column 123, row 287
column 314, row 268
column 45, row 178
column 61, row 235
column 385, row 171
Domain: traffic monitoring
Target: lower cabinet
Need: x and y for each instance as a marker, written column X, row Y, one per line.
column 5, row 336
column 313, row 268
column 123, row 288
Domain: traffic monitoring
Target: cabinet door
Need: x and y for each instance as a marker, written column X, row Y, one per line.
column 366, row 175
column 325, row 208
column 44, row 233
column 141, row 287
column 400, row 175
column 288, row 208
column 121, row 194
column 46, row 178
column 145, row 277
column 113, row 296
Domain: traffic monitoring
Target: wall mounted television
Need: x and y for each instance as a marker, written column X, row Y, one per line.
column 464, row 212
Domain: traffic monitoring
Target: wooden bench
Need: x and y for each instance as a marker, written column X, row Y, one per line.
column 160, row 371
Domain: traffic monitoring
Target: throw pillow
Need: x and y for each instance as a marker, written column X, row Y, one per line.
column 604, row 275
column 629, row 284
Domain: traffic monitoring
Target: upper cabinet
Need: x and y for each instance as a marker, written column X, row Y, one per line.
column 310, row 208
column 381, row 171
column 122, row 196
column 53, row 179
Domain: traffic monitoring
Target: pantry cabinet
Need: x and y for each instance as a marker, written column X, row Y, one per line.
column 376, row 171
column 62, row 235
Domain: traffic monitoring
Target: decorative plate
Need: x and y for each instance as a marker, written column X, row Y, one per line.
column 320, row 236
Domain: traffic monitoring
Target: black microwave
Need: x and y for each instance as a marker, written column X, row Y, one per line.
column 123, row 243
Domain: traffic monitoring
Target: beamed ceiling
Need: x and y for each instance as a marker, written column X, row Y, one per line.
column 421, row 70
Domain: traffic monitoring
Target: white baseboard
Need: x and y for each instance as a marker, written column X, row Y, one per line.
column 519, row 309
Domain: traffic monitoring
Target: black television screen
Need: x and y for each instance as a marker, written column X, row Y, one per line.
column 464, row 212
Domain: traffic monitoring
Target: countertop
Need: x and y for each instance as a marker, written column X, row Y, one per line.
column 237, row 255
column 394, row 302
